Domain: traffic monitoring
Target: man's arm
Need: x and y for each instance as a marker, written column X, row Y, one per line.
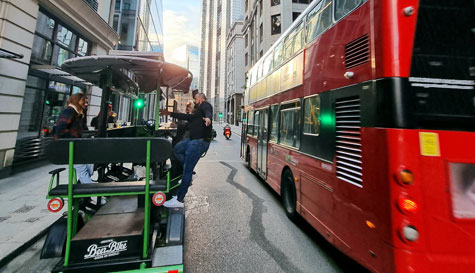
column 208, row 113
column 182, row 116
column 179, row 116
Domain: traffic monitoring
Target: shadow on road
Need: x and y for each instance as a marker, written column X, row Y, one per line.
column 345, row 263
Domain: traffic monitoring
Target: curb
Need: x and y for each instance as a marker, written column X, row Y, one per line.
column 12, row 255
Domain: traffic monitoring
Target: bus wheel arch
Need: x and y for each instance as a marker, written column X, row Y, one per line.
column 288, row 193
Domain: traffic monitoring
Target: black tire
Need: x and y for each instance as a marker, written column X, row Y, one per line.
column 289, row 195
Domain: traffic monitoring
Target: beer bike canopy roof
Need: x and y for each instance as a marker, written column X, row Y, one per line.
column 130, row 73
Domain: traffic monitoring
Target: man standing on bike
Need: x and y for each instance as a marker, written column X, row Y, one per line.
column 189, row 151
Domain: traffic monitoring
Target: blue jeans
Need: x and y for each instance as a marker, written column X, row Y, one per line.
column 188, row 152
column 84, row 172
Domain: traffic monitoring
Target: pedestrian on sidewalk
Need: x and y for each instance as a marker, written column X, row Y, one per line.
column 189, row 151
column 69, row 125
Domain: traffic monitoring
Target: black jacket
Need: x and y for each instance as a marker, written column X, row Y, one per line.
column 196, row 124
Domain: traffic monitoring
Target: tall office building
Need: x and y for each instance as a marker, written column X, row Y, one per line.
column 216, row 21
column 193, row 64
column 206, row 47
column 38, row 36
column 235, row 69
column 139, row 24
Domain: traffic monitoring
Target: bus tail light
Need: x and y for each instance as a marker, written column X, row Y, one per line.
column 409, row 233
column 55, row 204
column 405, row 177
column 406, row 205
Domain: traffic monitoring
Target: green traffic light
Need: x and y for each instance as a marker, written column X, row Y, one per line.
column 47, row 102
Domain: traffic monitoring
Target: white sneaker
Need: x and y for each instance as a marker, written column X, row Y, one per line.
column 173, row 203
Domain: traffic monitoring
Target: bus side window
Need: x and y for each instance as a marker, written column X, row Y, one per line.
column 290, row 124
column 288, row 47
column 344, row 7
column 250, row 123
column 299, row 38
column 274, row 123
column 278, row 55
column 312, row 20
column 325, row 18
column 311, row 122
column 256, row 123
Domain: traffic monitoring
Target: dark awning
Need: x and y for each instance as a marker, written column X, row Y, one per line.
column 144, row 71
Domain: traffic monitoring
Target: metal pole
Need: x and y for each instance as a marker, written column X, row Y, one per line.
column 157, row 103
column 147, row 203
column 105, row 84
column 70, row 205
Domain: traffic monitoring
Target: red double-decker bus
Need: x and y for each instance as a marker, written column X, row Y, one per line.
column 362, row 117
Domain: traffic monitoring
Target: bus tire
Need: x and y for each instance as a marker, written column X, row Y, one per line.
column 289, row 195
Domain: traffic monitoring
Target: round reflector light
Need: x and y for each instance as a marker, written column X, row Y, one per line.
column 410, row 233
column 407, row 205
column 158, row 199
column 406, row 177
column 55, row 204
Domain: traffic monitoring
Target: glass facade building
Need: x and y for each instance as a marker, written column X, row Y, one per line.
column 139, row 24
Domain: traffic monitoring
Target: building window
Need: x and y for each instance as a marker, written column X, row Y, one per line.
column 34, row 94
column 245, row 59
column 261, row 33
column 295, row 15
column 274, row 2
column 275, row 24
column 261, row 53
column 245, row 40
column 260, row 9
column 54, row 43
column 301, row 1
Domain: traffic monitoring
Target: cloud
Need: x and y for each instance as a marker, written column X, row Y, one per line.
column 180, row 30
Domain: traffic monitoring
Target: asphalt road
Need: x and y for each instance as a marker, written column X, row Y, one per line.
column 234, row 223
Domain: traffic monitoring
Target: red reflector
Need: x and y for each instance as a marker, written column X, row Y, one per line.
column 407, row 205
column 173, row 271
column 158, row 199
column 55, row 204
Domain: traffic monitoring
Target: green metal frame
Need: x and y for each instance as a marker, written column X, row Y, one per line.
column 73, row 208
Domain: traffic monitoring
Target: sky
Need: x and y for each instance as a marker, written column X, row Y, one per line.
column 181, row 22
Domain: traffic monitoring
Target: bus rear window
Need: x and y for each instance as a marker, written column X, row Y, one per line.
column 445, row 40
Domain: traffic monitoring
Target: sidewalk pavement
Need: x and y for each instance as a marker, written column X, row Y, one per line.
column 23, row 210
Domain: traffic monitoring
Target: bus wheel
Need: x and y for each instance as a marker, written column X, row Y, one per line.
column 289, row 195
